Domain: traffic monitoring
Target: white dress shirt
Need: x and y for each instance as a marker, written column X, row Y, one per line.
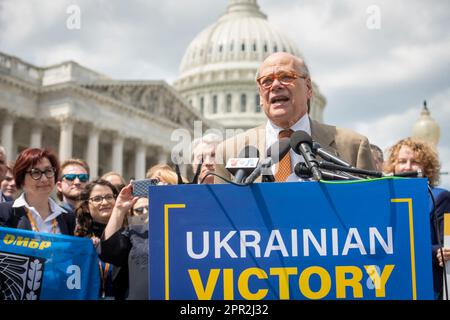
column 42, row 225
column 272, row 131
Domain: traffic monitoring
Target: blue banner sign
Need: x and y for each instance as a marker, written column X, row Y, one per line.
column 43, row 266
column 307, row 240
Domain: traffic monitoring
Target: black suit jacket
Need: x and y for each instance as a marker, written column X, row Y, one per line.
column 17, row 218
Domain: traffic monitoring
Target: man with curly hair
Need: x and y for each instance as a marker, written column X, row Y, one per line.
column 412, row 155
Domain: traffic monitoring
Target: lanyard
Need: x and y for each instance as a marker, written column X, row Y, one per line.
column 33, row 223
column 103, row 275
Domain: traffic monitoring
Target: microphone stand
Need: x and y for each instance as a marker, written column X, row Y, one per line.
column 302, row 171
column 331, row 166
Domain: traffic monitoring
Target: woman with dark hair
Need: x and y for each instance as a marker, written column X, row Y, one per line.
column 36, row 172
column 97, row 203
column 413, row 155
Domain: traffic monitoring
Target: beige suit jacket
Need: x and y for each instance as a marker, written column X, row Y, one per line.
column 344, row 143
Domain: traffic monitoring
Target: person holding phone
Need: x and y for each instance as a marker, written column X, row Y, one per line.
column 97, row 203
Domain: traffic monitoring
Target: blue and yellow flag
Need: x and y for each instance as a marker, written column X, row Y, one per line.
column 43, row 266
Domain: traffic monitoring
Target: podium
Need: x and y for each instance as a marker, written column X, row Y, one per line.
column 306, row 240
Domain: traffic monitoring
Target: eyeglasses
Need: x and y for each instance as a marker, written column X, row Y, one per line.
column 99, row 199
column 36, row 173
column 285, row 78
column 83, row 177
column 141, row 210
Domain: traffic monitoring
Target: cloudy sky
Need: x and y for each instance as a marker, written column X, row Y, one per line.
column 374, row 79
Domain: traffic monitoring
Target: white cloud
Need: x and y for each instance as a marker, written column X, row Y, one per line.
column 364, row 74
column 387, row 130
column 21, row 17
column 401, row 64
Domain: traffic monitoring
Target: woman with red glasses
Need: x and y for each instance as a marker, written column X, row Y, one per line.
column 36, row 172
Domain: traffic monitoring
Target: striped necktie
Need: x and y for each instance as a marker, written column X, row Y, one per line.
column 284, row 166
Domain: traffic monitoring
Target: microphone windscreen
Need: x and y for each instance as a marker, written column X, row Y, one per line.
column 279, row 149
column 410, row 174
column 299, row 137
column 249, row 152
column 315, row 146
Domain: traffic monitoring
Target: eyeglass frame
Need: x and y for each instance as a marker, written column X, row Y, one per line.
column 102, row 198
column 41, row 173
column 274, row 75
column 76, row 175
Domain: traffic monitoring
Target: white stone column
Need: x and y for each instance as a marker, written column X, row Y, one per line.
column 162, row 156
column 139, row 161
column 251, row 102
column 222, row 103
column 92, row 151
column 65, row 140
column 7, row 136
column 36, row 136
column 117, row 154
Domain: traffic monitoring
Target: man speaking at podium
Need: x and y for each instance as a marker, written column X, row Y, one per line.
column 285, row 90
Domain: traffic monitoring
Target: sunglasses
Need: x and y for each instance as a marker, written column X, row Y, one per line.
column 140, row 210
column 83, row 177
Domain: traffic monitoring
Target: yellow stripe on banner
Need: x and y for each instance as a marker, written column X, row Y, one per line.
column 411, row 243
column 446, row 224
column 166, row 243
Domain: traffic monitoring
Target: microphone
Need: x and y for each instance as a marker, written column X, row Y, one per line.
column 280, row 148
column 410, row 174
column 301, row 143
column 275, row 153
column 246, row 162
column 328, row 156
column 302, row 171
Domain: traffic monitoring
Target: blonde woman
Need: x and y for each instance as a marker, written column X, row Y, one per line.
column 412, row 155
column 164, row 173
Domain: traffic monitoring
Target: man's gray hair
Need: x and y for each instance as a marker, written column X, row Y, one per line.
column 304, row 68
column 210, row 139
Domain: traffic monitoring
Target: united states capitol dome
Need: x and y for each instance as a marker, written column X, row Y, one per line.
column 217, row 72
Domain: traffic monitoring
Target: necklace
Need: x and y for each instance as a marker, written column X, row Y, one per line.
column 33, row 223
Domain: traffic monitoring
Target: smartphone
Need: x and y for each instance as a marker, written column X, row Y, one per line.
column 140, row 187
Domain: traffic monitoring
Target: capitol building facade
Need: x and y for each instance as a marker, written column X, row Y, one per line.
column 218, row 70
column 123, row 126
column 126, row 126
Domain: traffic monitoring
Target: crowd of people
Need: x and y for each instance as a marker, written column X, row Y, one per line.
column 105, row 210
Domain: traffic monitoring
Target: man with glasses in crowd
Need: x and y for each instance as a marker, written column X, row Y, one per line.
column 285, row 90
column 74, row 177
